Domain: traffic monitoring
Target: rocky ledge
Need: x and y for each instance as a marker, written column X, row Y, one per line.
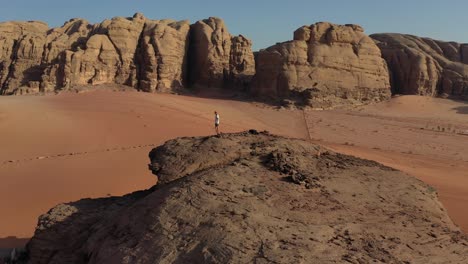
column 255, row 198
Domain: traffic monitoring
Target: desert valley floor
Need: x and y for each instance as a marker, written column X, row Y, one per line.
column 60, row 148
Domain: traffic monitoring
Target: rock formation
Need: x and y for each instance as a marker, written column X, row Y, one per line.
column 216, row 57
column 325, row 65
column 255, row 198
column 241, row 63
column 60, row 46
column 21, row 49
column 163, row 62
column 425, row 66
column 149, row 55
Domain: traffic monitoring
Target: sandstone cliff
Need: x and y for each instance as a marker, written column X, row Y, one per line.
column 21, row 49
column 255, row 198
column 163, row 60
column 425, row 66
column 217, row 58
column 325, row 65
column 149, row 55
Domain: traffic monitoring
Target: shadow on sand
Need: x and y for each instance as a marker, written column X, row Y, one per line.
column 461, row 110
column 13, row 242
column 9, row 245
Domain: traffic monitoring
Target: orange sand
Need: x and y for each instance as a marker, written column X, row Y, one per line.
column 65, row 147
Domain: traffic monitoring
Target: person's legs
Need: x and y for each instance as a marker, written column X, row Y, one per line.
column 217, row 130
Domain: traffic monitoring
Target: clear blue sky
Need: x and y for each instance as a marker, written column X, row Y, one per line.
column 265, row 22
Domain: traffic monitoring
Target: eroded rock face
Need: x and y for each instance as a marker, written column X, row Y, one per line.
column 150, row 55
column 164, row 46
column 255, row 198
column 325, row 65
column 210, row 51
column 241, row 63
column 97, row 64
column 76, row 53
column 425, row 66
column 72, row 36
column 124, row 34
column 21, row 48
column 218, row 59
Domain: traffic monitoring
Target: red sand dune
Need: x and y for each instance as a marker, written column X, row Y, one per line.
column 66, row 147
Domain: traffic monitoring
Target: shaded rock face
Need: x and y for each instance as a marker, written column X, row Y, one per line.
column 149, row 55
column 218, row 59
column 241, row 63
column 425, row 66
column 255, row 198
column 325, row 65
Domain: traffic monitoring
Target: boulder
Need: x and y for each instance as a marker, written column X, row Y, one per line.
column 326, row 65
column 425, row 66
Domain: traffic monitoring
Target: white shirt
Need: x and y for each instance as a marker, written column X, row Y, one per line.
column 217, row 119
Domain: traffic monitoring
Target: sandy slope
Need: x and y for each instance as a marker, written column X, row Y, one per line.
column 69, row 146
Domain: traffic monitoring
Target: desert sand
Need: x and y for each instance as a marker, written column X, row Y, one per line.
column 60, row 148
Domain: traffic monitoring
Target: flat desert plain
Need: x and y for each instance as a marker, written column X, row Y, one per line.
column 65, row 147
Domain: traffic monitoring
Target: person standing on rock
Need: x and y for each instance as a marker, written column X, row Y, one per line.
column 216, row 122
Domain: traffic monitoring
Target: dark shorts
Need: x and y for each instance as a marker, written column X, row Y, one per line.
column 216, row 125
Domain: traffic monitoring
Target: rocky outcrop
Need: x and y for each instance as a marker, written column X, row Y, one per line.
column 149, row 55
column 255, row 198
column 425, row 66
column 218, row 59
column 325, row 65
